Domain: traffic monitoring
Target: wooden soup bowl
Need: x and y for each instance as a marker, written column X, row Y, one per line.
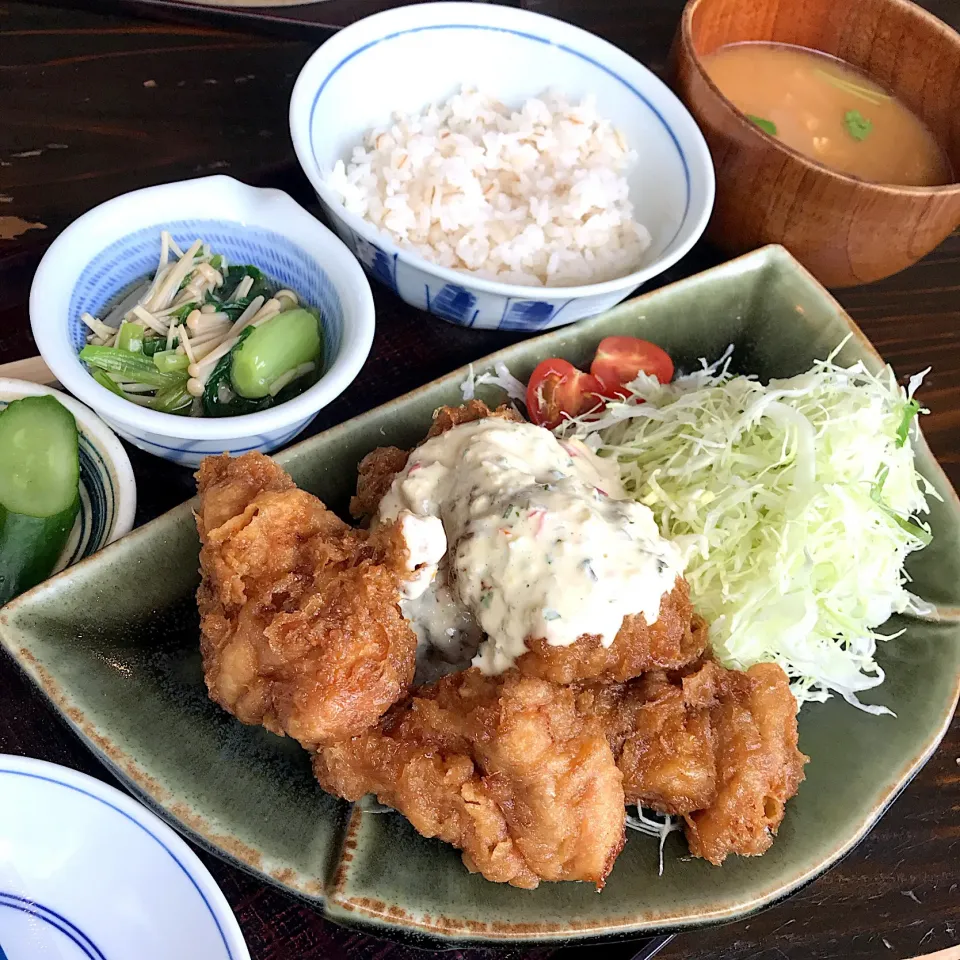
column 844, row 230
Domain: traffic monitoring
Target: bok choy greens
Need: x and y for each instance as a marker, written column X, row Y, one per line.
column 205, row 338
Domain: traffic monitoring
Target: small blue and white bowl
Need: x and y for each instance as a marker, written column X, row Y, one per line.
column 403, row 59
column 108, row 491
column 87, row 873
column 99, row 256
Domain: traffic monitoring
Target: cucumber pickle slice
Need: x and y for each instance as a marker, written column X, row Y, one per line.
column 39, row 490
column 30, row 547
column 39, row 461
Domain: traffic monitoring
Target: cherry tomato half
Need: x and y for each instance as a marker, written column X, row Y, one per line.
column 557, row 390
column 619, row 359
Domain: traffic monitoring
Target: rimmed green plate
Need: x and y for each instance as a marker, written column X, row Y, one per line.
column 113, row 643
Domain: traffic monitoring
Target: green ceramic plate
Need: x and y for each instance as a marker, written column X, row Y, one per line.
column 113, row 643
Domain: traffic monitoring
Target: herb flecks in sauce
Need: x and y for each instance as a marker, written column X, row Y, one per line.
column 533, row 551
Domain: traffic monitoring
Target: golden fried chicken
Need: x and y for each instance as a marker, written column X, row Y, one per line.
column 676, row 638
column 375, row 473
column 445, row 418
column 759, row 766
column 527, row 771
column 300, row 620
column 716, row 746
column 504, row 768
column 662, row 736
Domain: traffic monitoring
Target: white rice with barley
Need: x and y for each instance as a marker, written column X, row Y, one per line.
column 535, row 196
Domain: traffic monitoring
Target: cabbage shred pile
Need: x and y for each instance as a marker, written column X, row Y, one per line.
column 798, row 502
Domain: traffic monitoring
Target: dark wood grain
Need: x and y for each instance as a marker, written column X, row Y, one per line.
column 80, row 121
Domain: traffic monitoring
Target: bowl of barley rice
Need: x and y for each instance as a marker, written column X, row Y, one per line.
column 496, row 167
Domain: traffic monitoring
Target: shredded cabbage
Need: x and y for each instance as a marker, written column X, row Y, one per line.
column 797, row 501
column 501, row 377
column 654, row 824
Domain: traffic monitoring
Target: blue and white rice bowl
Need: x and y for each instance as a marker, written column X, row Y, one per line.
column 100, row 256
column 405, row 59
column 108, row 491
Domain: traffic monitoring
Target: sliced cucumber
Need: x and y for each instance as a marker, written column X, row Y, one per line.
column 31, row 546
column 280, row 345
column 39, row 458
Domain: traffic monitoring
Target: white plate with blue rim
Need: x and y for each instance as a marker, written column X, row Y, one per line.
column 87, row 873
column 108, row 490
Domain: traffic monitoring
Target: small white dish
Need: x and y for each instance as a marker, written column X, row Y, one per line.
column 103, row 253
column 86, row 873
column 409, row 57
column 108, row 490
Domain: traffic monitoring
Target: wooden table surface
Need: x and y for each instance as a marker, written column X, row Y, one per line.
column 92, row 105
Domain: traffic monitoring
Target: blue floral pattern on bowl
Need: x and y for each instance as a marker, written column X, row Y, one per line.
column 189, row 453
column 457, row 303
column 461, row 305
column 453, row 303
column 526, row 315
column 378, row 264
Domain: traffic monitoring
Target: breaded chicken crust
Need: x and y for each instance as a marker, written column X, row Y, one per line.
column 717, row 746
column 759, row 767
column 676, row 638
column 662, row 740
column 301, row 629
column 505, row 768
column 375, row 474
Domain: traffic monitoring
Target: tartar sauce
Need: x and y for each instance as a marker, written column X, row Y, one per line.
column 426, row 545
column 541, row 542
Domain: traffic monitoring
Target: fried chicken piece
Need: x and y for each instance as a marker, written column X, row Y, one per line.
column 375, row 473
column 227, row 487
column 717, row 746
column 504, row 768
column 446, row 418
column 759, row 766
column 301, row 629
column 662, row 736
column 676, row 638
column 377, row 469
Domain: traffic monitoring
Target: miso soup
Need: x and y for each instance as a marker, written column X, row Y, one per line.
column 830, row 111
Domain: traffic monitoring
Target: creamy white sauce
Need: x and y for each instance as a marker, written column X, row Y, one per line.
column 426, row 545
column 541, row 542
